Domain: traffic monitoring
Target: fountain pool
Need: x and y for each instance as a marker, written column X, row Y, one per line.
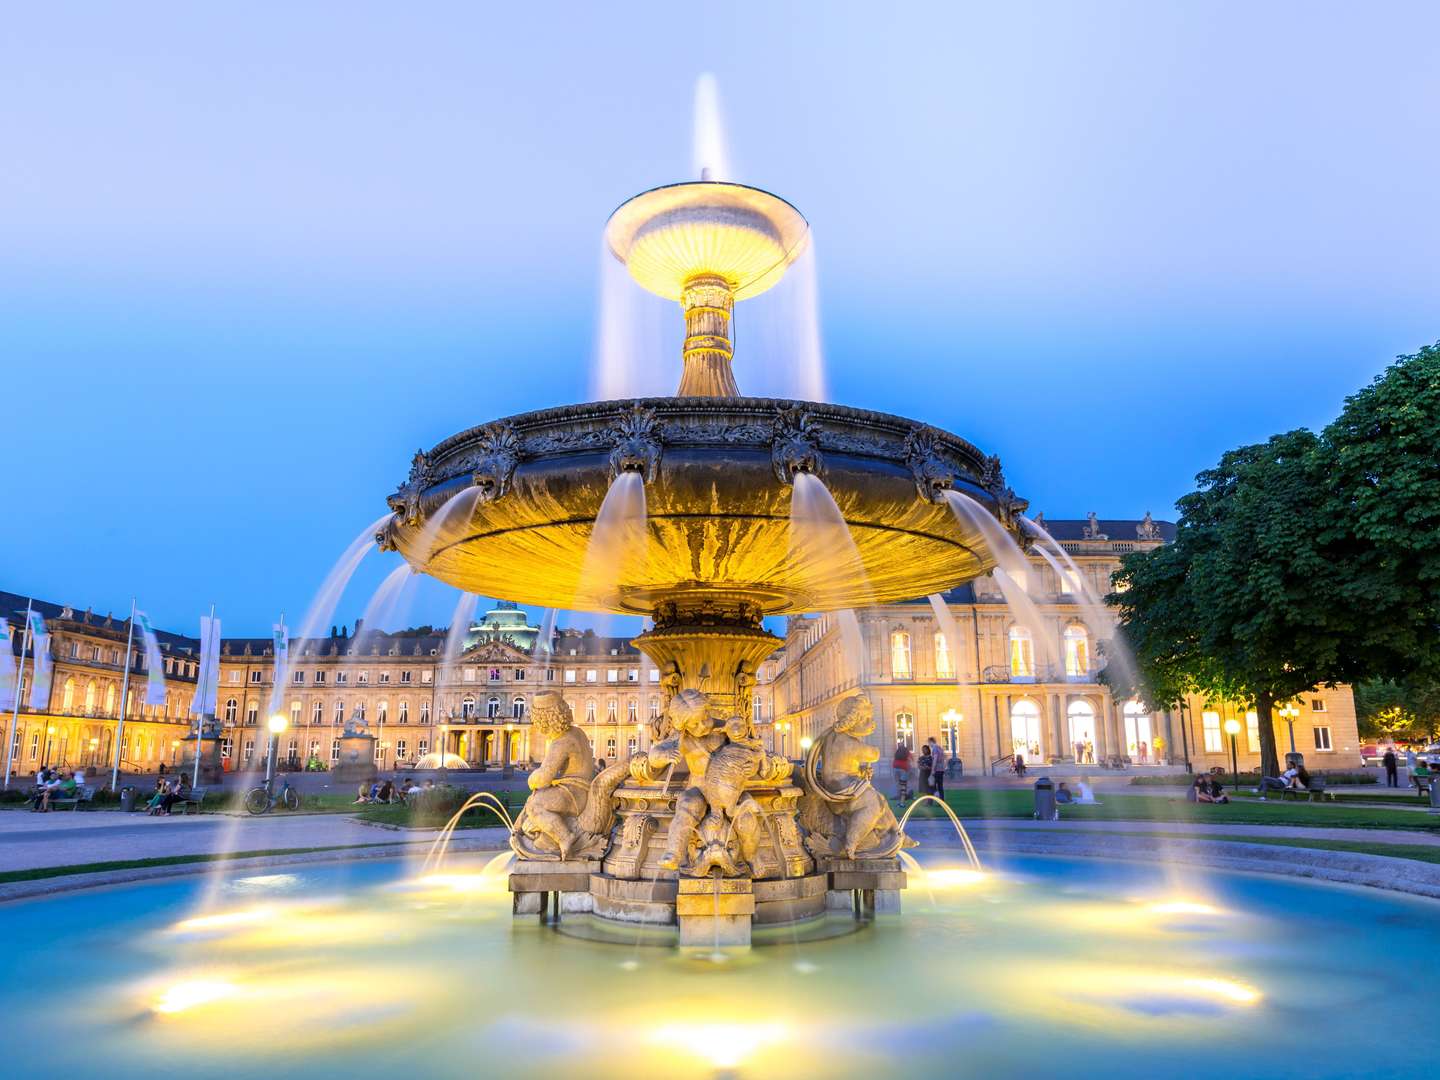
column 1036, row 966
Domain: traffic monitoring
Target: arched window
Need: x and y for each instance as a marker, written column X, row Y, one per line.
column 230, row 706
column 1139, row 745
column 252, row 712
column 109, row 699
column 900, row 655
column 944, row 664
column 590, row 710
column 905, row 728
column 492, row 708
column 517, row 708
column 950, row 732
column 632, row 710
column 1025, row 737
column 294, row 714
column 654, row 708
column 424, row 712
column 1077, row 651
column 1022, row 653
column 67, row 696
column 612, row 711
column 404, row 711
column 467, row 707
column 382, row 711
column 317, row 712
column 339, row 711
column 1081, row 715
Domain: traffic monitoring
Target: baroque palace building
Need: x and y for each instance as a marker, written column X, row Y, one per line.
column 987, row 689
column 991, row 692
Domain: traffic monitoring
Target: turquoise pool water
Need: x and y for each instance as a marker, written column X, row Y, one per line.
column 1040, row 967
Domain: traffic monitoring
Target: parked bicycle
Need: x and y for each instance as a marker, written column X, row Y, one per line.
column 263, row 799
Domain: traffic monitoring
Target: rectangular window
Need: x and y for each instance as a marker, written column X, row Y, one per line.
column 341, row 677
column 234, row 675
column 632, row 675
column 591, row 675
column 422, row 747
column 570, row 674
column 363, row 678
column 612, row 675
column 654, row 675
column 425, row 677
column 400, row 747
column 298, row 678
column 549, row 674
column 255, row 675
column 519, row 674
column 384, row 676
column 1252, row 731
column 1210, row 724
column 319, row 678
column 469, row 675
column 405, row 676
column 1317, row 704
column 424, row 713
column 1322, row 739
column 334, row 749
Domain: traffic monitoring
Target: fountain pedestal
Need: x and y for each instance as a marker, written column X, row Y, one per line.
column 715, row 912
column 864, row 886
column 542, row 888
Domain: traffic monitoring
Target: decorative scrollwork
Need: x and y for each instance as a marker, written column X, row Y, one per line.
column 796, row 444
column 637, row 443
column 499, row 455
column 406, row 500
column 933, row 473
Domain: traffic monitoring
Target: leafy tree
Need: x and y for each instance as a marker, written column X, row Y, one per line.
column 1236, row 607
column 1407, row 711
column 1302, row 561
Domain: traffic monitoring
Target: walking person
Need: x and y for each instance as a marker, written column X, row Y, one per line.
column 900, row 766
column 937, row 767
column 926, row 764
column 1392, row 768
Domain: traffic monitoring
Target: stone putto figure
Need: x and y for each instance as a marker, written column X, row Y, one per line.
column 570, row 810
column 714, row 814
column 843, row 813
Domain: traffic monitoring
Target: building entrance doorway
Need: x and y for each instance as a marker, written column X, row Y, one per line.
column 1139, row 737
column 1082, row 732
column 1025, row 738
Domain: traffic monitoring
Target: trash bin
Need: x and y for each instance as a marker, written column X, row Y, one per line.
column 1434, row 795
column 127, row 798
column 1045, row 800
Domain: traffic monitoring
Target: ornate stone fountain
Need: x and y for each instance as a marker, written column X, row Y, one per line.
column 705, row 828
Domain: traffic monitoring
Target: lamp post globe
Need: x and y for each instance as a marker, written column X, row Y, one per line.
column 1232, row 728
column 277, row 724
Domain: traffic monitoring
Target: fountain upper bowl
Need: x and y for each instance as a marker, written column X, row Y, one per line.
column 507, row 509
column 671, row 235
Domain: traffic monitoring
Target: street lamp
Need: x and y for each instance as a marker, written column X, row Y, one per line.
column 45, row 758
column 278, row 724
column 94, row 745
column 782, row 728
column 1288, row 712
column 1232, row 728
column 952, row 719
column 805, row 743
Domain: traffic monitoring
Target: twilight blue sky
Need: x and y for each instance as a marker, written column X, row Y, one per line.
column 252, row 255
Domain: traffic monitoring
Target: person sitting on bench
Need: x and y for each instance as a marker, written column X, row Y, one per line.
column 179, row 793
column 1289, row 780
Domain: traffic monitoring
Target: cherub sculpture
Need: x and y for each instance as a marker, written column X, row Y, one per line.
column 842, row 812
column 570, row 810
column 714, row 810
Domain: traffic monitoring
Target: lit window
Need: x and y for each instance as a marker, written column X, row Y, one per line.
column 1026, row 740
column 900, row 655
column 944, row 666
column 1077, row 652
column 1081, row 715
column 295, row 713
column 1022, row 653
column 1322, row 739
column 654, row 675
column 1210, row 725
column 1252, row 731
column 905, row 728
column 570, row 675
column 950, row 733
column 612, row 675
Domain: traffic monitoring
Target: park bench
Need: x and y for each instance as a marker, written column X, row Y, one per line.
column 194, row 798
column 84, row 796
column 1422, row 784
column 1316, row 791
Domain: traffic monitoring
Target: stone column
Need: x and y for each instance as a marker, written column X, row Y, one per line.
column 1057, row 726
column 1104, row 726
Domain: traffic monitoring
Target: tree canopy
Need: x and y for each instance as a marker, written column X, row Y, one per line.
column 1302, row 561
column 1406, row 711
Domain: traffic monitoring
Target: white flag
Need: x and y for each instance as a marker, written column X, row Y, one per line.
column 8, row 688
column 154, row 664
column 208, row 684
column 282, row 665
column 40, row 646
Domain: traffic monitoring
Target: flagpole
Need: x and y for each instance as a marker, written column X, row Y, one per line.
column 200, row 715
column 19, row 681
column 124, row 699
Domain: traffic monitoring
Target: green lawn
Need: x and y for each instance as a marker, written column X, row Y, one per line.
column 479, row 817
column 1019, row 803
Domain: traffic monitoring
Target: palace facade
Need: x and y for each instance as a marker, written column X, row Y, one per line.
column 962, row 669
column 988, row 685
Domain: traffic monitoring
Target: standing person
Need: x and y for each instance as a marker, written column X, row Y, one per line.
column 901, row 768
column 937, row 767
column 926, row 764
column 1392, row 767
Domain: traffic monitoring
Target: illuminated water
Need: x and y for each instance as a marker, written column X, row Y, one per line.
column 1035, row 968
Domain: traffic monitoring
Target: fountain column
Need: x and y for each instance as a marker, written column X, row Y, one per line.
column 708, row 302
